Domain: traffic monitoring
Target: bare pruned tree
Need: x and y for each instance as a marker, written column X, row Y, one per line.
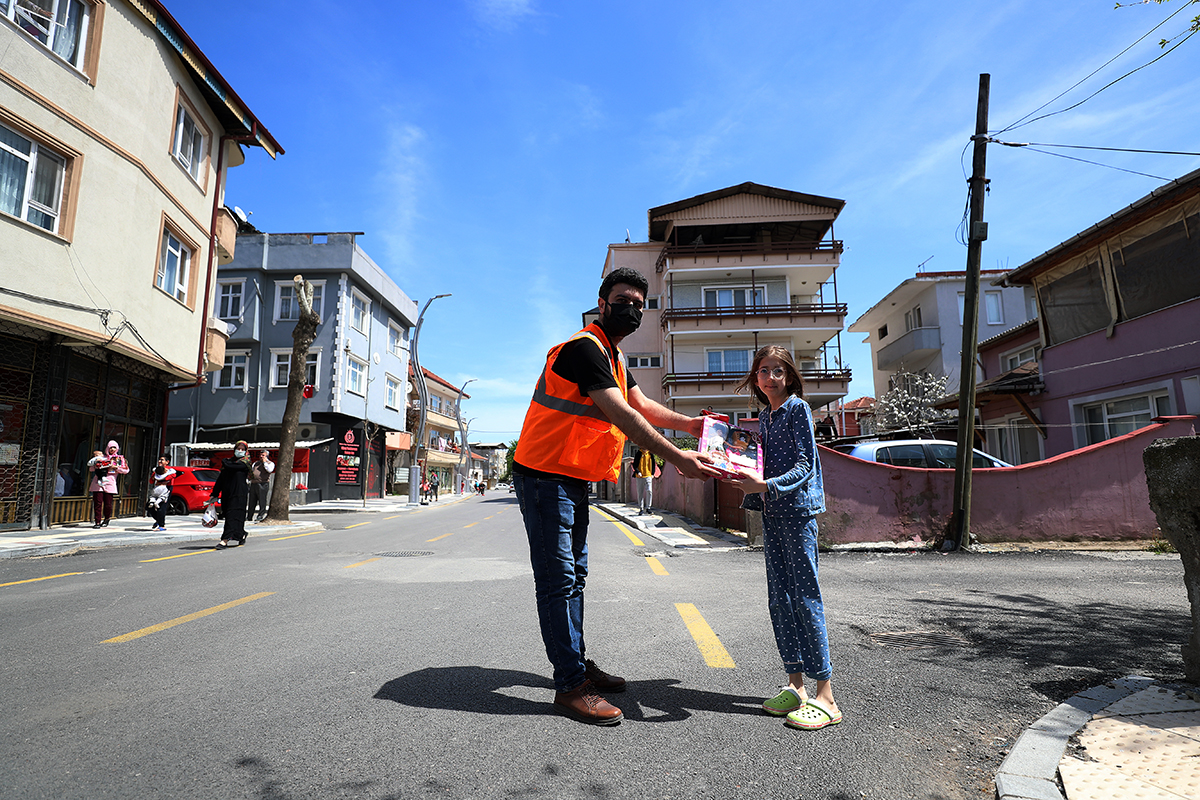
column 302, row 338
column 908, row 405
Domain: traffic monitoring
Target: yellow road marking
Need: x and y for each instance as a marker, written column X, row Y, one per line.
column 473, row 524
column 385, row 519
column 48, row 577
column 656, row 566
column 443, row 536
column 355, row 525
column 715, row 654
column 181, row 555
column 162, row 626
column 622, row 528
column 294, row 536
column 359, row 564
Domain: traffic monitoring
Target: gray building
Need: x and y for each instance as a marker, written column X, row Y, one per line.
column 357, row 365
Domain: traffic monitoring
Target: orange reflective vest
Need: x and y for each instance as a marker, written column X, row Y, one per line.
column 566, row 433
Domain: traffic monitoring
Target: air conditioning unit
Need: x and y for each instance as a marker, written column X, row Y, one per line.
column 306, row 432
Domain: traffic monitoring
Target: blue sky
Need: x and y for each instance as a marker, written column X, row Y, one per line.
column 494, row 148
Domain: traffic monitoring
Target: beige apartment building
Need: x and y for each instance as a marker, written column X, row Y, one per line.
column 116, row 133
column 730, row 271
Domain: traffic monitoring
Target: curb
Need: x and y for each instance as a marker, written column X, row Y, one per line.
column 733, row 539
column 1030, row 770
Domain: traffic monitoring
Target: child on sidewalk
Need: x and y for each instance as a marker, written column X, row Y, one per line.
column 790, row 495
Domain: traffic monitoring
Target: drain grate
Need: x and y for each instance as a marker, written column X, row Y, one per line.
column 406, row 554
column 909, row 640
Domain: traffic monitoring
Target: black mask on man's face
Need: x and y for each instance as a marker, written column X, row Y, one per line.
column 621, row 320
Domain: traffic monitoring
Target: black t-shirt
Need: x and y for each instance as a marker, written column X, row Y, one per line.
column 590, row 368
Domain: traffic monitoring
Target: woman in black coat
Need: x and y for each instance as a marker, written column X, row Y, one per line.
column 233, row 487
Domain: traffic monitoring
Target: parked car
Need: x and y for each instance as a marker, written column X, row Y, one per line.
column 922, row 453
column 190, row 489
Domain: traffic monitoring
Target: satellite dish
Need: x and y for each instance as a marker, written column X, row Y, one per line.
column 375, row 358
column 241, row 215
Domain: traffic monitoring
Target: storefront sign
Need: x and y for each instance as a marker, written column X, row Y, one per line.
column 349, row 456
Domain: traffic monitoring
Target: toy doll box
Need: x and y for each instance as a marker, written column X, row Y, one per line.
column 731, row 449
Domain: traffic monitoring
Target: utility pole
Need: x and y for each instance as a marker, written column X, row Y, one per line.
column 959, row 535
column 414, row 469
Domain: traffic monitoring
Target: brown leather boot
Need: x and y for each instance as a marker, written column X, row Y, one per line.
column 586, row 705
column 601, row 679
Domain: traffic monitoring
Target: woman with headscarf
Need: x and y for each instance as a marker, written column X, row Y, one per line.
column 233, row 487
column 105, row 467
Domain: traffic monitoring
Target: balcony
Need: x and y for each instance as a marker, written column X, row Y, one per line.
column 747, row 254
column 721, row 384
column 917, row 342
column 829, row 317
column 227, row 228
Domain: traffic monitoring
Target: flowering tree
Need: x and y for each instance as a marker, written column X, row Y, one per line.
column 909, row 404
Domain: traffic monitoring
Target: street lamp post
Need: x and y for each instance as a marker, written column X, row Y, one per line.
column 414, row 469
column 462, row 433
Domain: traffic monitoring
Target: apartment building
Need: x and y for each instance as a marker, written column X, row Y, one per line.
column 730, row 271
column 116, row 138
column 440, row 452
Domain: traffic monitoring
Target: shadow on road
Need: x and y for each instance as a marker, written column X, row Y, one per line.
column 643, row 701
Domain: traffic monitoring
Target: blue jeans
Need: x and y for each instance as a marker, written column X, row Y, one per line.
column 556, row 521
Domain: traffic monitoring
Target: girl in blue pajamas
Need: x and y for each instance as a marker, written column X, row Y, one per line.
column 790, row 495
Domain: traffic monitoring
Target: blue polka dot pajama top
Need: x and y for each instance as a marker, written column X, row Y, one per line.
column 795, row 495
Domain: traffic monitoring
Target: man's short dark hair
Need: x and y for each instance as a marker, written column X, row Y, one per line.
column 623, row 275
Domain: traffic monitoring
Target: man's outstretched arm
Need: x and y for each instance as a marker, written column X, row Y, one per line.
column 639, row 430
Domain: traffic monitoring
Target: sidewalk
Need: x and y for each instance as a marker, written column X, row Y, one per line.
column 672, row 530
column 130, row 531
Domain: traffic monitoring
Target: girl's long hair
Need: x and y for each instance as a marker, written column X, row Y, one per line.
column 795, row 384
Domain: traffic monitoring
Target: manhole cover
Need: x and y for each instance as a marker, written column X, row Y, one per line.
column 406, row 554
column 915, row 639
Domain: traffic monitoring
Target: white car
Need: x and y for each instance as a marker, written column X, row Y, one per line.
column 921, row 453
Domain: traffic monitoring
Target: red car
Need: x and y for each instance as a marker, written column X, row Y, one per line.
column 191, row 488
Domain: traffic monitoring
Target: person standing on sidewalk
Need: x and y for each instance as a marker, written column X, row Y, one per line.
column 643, row 469
column 584, row 406
column 790, row 495
column 434, row 483
column 260, row 485
column 160, row 493
column 105, row 467
column 233, row 487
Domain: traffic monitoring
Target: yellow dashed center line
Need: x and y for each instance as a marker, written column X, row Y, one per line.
column 357, row 524
column 48, row 577
column 162, row 626
column 472, row 525
column 715, row 654
column 294, row 536
column 181, row 555
column 443, row 536
column 656, row 566
column 359, row 564
column 385, row 519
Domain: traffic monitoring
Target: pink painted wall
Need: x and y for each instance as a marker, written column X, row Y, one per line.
column 1097, row 493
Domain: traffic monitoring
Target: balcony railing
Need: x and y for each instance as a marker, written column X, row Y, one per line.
column 701, row 379
column 763, row 249
column 757, row 313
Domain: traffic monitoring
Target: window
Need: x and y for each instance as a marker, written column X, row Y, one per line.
column 882, row 332
column 651, row 303
column 31, row 180
column 190, row 144
column 729, row 361
column 288, row 307
column 360, row 308
column 356, row 376
column 229, row 299
column 397, row 336
column 233, row 374
column 60, row 25
column 994, row 304
column 394, row 392
column 435, row 403
column 738, row 297
column 645, row 361
column 281, row 368
column 174, row 266
column 1014, row 360
column 1112, row 418
column 912, row 319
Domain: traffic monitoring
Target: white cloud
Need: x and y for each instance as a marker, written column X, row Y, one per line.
column 401, row 173
column 502, row 15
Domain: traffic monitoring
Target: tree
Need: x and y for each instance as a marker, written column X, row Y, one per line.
column 302, row 338
column 508, row 457
column 908, row 405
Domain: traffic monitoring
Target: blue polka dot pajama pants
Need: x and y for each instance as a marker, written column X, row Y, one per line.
column 793, row 595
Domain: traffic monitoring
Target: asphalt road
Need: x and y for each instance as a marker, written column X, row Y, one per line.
column 399, row 657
